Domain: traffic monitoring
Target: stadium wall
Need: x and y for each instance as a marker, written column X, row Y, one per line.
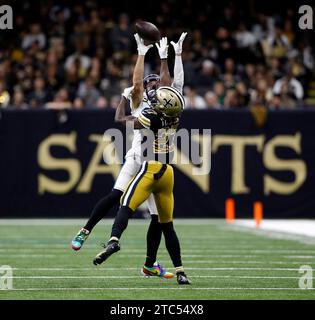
column 51, row 163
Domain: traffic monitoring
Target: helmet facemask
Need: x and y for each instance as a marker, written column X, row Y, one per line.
column 150, row 84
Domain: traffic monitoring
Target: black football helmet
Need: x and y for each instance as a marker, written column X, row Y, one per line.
column 151, row 90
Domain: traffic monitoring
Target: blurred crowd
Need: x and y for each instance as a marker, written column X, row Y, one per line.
column 81, row 55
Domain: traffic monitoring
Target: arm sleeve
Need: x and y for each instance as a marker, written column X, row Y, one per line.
column 178, row 82
column 150, row 120
column 299, row 91
column 277, row 87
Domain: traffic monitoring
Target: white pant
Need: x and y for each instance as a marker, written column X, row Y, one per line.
column 128, row 171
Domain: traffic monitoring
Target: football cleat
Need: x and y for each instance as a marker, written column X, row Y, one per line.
column 156, row 271
column 182, row 278
column 79, row 239
column 112, row 247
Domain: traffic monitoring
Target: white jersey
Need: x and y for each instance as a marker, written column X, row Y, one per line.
column 132, row 162
column 135, row 150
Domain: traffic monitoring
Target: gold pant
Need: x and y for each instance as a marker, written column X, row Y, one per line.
column 156, row 178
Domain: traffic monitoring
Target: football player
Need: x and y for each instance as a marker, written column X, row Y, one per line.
column 132, row 160
column 156, row 174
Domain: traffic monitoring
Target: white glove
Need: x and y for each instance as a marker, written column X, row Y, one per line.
column 163, row 47
column 142, row 48
column 127, row 92
column 178, row 47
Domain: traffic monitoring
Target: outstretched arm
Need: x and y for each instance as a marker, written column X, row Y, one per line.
column 178, row 82
column 165, row 77
column 138, row 72
column 120, row 115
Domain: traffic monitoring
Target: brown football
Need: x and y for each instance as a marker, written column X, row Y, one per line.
column 147, row 31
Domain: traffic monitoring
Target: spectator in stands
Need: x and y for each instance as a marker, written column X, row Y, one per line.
column 122, row 35
column 262, row 94
column 78, row 63
column 229, row 77
column 61, row 100
column 212, row 100
column 219, row 91
column 88, row 92
column 102, row 103
column 18, row 100
column 207, row 75
column 39, row 96
column 193, row 100
column 283, row 100
column 274, row 67
column 114, row 101
column 225, row 44
column 277, row 44
column 4, row 95
column 69, row 42
column 244, row 38
column 231, row 99
column 78, row 103
column 35, row 36
column 289, row 86
column 246, row 42
column 243, row 96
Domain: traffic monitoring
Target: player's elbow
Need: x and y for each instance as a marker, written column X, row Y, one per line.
column 117, row 119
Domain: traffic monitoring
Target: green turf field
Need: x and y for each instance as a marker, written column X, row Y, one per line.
column 223, row 261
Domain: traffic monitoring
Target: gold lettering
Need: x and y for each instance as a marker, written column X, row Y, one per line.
column 199, row 175
column 271, row 162
column 95, row 167
column 46, row 161
column 238, row 144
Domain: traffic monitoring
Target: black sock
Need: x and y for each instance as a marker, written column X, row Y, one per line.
column 172, row 243
column 154, row 236
column 102, row 208
column 121, row 221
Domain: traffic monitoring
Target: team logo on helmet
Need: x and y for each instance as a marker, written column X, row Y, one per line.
column 169, row 101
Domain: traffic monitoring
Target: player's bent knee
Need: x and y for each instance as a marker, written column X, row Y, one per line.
column 154, row 218
column 128, row 209
column 115, row 195
column 165, row 220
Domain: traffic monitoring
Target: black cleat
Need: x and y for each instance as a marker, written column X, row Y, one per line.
column 182, row 278
column 111, row 248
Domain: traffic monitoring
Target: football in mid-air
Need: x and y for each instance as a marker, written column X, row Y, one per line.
column 147, row 31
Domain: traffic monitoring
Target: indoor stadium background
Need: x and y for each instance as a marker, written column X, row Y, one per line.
column 249, row 77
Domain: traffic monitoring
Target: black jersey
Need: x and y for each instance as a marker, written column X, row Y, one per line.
column 161, row 146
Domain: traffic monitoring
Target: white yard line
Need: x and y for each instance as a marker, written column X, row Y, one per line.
column 237, row 249
column 158, row 289
column 137, row 277
column 108, row 222
column 115, row 269
column 131, row 255
column 296, row 227
column 224, row 262
column 141, row 250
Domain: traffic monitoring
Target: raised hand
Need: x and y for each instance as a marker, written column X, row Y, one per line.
column 142, row 48
column 178, row 46
column 162, row 47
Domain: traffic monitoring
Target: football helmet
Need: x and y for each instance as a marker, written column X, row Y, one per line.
column 169, row 101
column 150, row 89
